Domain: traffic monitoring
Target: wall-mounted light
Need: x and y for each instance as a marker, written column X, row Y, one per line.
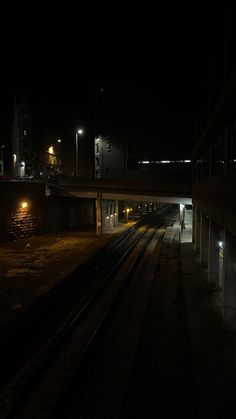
column 24, row 204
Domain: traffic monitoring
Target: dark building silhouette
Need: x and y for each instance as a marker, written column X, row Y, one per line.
column 214, row 154
column 35, row 153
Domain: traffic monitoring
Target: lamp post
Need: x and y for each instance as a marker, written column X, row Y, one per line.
column 59, row 155
column 2, row 161
column 78, row 131
column 127, row 211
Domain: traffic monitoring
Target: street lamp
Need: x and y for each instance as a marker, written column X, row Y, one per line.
column 126, row 211
column 2, row 161
column 78, row 132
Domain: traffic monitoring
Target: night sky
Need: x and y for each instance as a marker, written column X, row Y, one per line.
column 157, row 82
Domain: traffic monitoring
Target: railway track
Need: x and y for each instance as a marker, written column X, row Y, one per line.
column 37, row 386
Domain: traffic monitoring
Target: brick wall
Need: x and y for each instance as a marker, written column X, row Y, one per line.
column 42, row 214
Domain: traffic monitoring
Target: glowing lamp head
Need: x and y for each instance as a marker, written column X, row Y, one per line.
column 24, row 205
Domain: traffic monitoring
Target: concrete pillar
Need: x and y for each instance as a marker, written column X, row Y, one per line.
column 213, row 255
column 112, row 213
column 229, row 286
column 204, row 239
column 201, row 238
column 116, row 214
column 109, row 215
column 181, row 212
column 193, row 224
column 99, row 214
column 106, row 215
column 197, row 229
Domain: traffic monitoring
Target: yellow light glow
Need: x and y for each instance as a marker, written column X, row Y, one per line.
column 50, row 150
column 24, row 204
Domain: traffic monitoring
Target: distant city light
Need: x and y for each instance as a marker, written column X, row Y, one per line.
column 50, row 150
column 80, row 131
column 14, row 158
column 24, row 205
column 220, row 244
column 164, row 161
column 59, row 140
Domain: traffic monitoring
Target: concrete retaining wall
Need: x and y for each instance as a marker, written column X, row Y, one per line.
column 43, row 213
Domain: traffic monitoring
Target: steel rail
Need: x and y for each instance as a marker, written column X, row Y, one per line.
column 25, row 377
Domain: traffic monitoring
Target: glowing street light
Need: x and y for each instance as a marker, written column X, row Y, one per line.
column 127, row 211
column 78, row 132
column 24, row 204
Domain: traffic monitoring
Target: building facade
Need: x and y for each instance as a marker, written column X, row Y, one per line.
column 34, row 154
column 110, row 157
column 214, row 156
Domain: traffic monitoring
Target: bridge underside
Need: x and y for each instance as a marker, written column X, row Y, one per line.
column 108, row 192
column 129, row 196
column 174, row 189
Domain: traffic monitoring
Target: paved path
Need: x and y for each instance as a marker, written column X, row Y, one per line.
column 213, row 345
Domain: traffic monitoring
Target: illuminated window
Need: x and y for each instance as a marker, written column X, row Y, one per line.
column 52, row 159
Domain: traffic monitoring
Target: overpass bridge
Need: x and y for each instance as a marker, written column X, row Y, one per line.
column 16, row 220
column 173, row 188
